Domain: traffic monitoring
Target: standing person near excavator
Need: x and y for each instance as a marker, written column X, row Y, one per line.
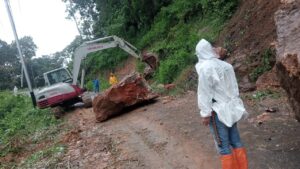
column 220, row 104
column 112, row 79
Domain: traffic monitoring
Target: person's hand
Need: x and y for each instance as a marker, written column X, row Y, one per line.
column 205, row 121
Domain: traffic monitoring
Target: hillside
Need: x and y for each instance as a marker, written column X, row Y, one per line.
column 249, row 34
column 170, row 30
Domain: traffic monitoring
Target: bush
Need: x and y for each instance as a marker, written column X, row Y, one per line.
column 19, row 121
column 265, row 65
column 89, row 85
column 170, row 68
column 104, row 83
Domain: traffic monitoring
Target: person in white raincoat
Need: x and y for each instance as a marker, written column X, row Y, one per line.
column 220, row 104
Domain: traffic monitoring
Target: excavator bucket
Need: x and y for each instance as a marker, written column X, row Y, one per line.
column 152, row 61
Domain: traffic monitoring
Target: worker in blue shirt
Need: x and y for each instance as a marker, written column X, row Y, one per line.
column 96, row 85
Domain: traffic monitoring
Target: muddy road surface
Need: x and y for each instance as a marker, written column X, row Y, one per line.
column 168, row 134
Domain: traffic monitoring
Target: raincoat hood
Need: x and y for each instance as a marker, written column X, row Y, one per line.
column 205, row 51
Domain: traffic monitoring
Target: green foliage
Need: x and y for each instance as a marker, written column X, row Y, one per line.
column 175, row 32
column 89, row 85
column 27, row 45
column 104, row 84
column 187, row 79
column 170, row 68
column 52, row 154
column 104, row 60
column 19, row 121
column 171, row 28
column 140, row 66
column 266, row 65
column 220, row 8
column 260, row 95
column 10, row 65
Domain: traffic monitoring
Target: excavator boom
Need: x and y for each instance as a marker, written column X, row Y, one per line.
column 97, row 45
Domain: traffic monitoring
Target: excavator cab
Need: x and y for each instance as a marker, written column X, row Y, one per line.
column 58, row 76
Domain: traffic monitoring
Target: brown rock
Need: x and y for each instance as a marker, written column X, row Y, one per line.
column 268, row 79
column 169, row 86
column 245, row 79
column 288, row 52
column 148, row 72
column 263, row 117
column 133, row 89
column 287, row 1
column 239, row 65
column 247, row 87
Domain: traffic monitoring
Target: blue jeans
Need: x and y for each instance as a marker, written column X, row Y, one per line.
column 225, row 137
column 96, row 89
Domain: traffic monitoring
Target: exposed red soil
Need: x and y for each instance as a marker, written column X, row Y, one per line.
column 252, row 28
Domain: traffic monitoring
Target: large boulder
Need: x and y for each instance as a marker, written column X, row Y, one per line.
column 133, row 89
column 288, row 51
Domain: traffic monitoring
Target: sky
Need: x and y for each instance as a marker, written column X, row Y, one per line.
column 44, row 20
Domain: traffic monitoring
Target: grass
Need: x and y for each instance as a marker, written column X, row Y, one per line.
column 265, row 64
column 22, row 126
column 260, row 95
column 52, row 155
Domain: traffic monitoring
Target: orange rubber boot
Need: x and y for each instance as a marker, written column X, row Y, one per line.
column 241, row 158
column 235, row 163
column 227, row 161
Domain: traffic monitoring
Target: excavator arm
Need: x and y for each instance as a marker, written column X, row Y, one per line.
column 97, row 45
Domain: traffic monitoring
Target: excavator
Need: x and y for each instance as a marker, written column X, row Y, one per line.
column 62, row 88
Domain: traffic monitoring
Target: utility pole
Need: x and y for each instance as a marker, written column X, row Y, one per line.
column 20, row 51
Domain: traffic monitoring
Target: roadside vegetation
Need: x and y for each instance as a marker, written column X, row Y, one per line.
column 23, row 128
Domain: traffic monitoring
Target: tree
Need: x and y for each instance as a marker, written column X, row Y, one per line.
column 84, row 13
column 7, row 55
column 27, row 45
column 10, row 66
column 8, row 60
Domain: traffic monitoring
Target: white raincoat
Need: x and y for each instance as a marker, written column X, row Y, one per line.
column 217, row 81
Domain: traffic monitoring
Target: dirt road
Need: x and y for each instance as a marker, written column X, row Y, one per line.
column 168, row 134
